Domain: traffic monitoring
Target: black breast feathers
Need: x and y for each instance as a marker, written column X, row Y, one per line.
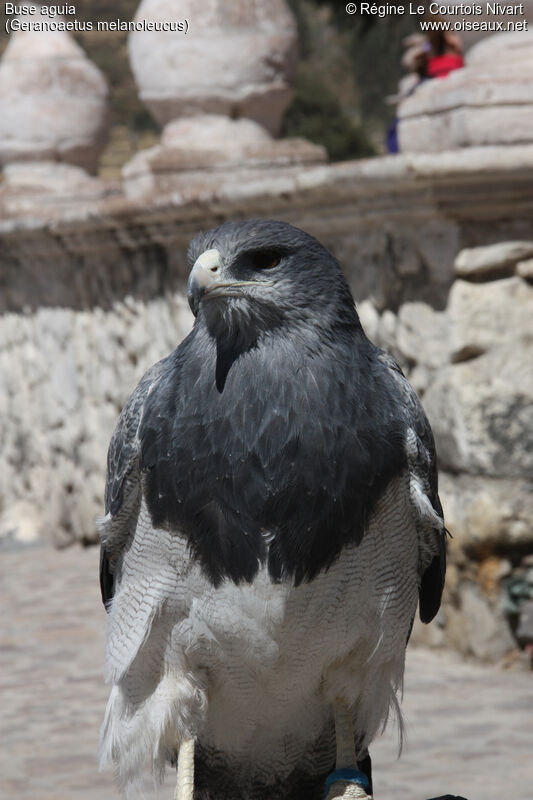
column 283, row 466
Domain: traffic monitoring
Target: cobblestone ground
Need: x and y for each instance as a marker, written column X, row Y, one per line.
column 469, row 728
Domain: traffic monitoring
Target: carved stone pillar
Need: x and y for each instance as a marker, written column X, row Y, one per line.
column 220, row 90
column 53, row 112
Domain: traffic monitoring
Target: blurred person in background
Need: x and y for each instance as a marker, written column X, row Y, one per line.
column 433, row 54
column 444, row 51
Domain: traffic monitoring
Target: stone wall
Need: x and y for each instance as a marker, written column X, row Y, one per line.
column 471, row 364
column 65, row 374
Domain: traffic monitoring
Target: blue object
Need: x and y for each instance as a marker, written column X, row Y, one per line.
column 392, row 138
column 348, row 774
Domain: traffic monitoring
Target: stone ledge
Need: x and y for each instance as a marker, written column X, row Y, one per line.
column 445, row 181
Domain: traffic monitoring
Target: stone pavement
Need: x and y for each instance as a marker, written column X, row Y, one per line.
column 469, row 728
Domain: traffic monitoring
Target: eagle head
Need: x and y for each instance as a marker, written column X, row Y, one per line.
column 256, row 276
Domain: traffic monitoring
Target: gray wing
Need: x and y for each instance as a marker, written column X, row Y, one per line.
column 123, row 484
column 422, row 462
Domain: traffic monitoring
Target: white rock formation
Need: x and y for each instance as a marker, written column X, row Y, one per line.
column 484, row 262
column 484, row 316
column 422, row 335
column 489, row 102
column 237, row 59
column 53, row 100
column 481, row 404
column 487, row 514
column 482, row 414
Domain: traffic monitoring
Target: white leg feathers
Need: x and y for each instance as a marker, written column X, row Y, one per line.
column 185, row 778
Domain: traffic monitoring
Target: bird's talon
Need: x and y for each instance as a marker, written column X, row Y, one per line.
column 344, row 790
column 348, row 783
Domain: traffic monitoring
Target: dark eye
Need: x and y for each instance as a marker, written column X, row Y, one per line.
column 265, row 259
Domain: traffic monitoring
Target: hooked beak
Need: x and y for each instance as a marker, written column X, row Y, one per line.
column 206, row 278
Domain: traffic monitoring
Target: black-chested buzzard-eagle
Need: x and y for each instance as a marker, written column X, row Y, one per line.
column 272, row 522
